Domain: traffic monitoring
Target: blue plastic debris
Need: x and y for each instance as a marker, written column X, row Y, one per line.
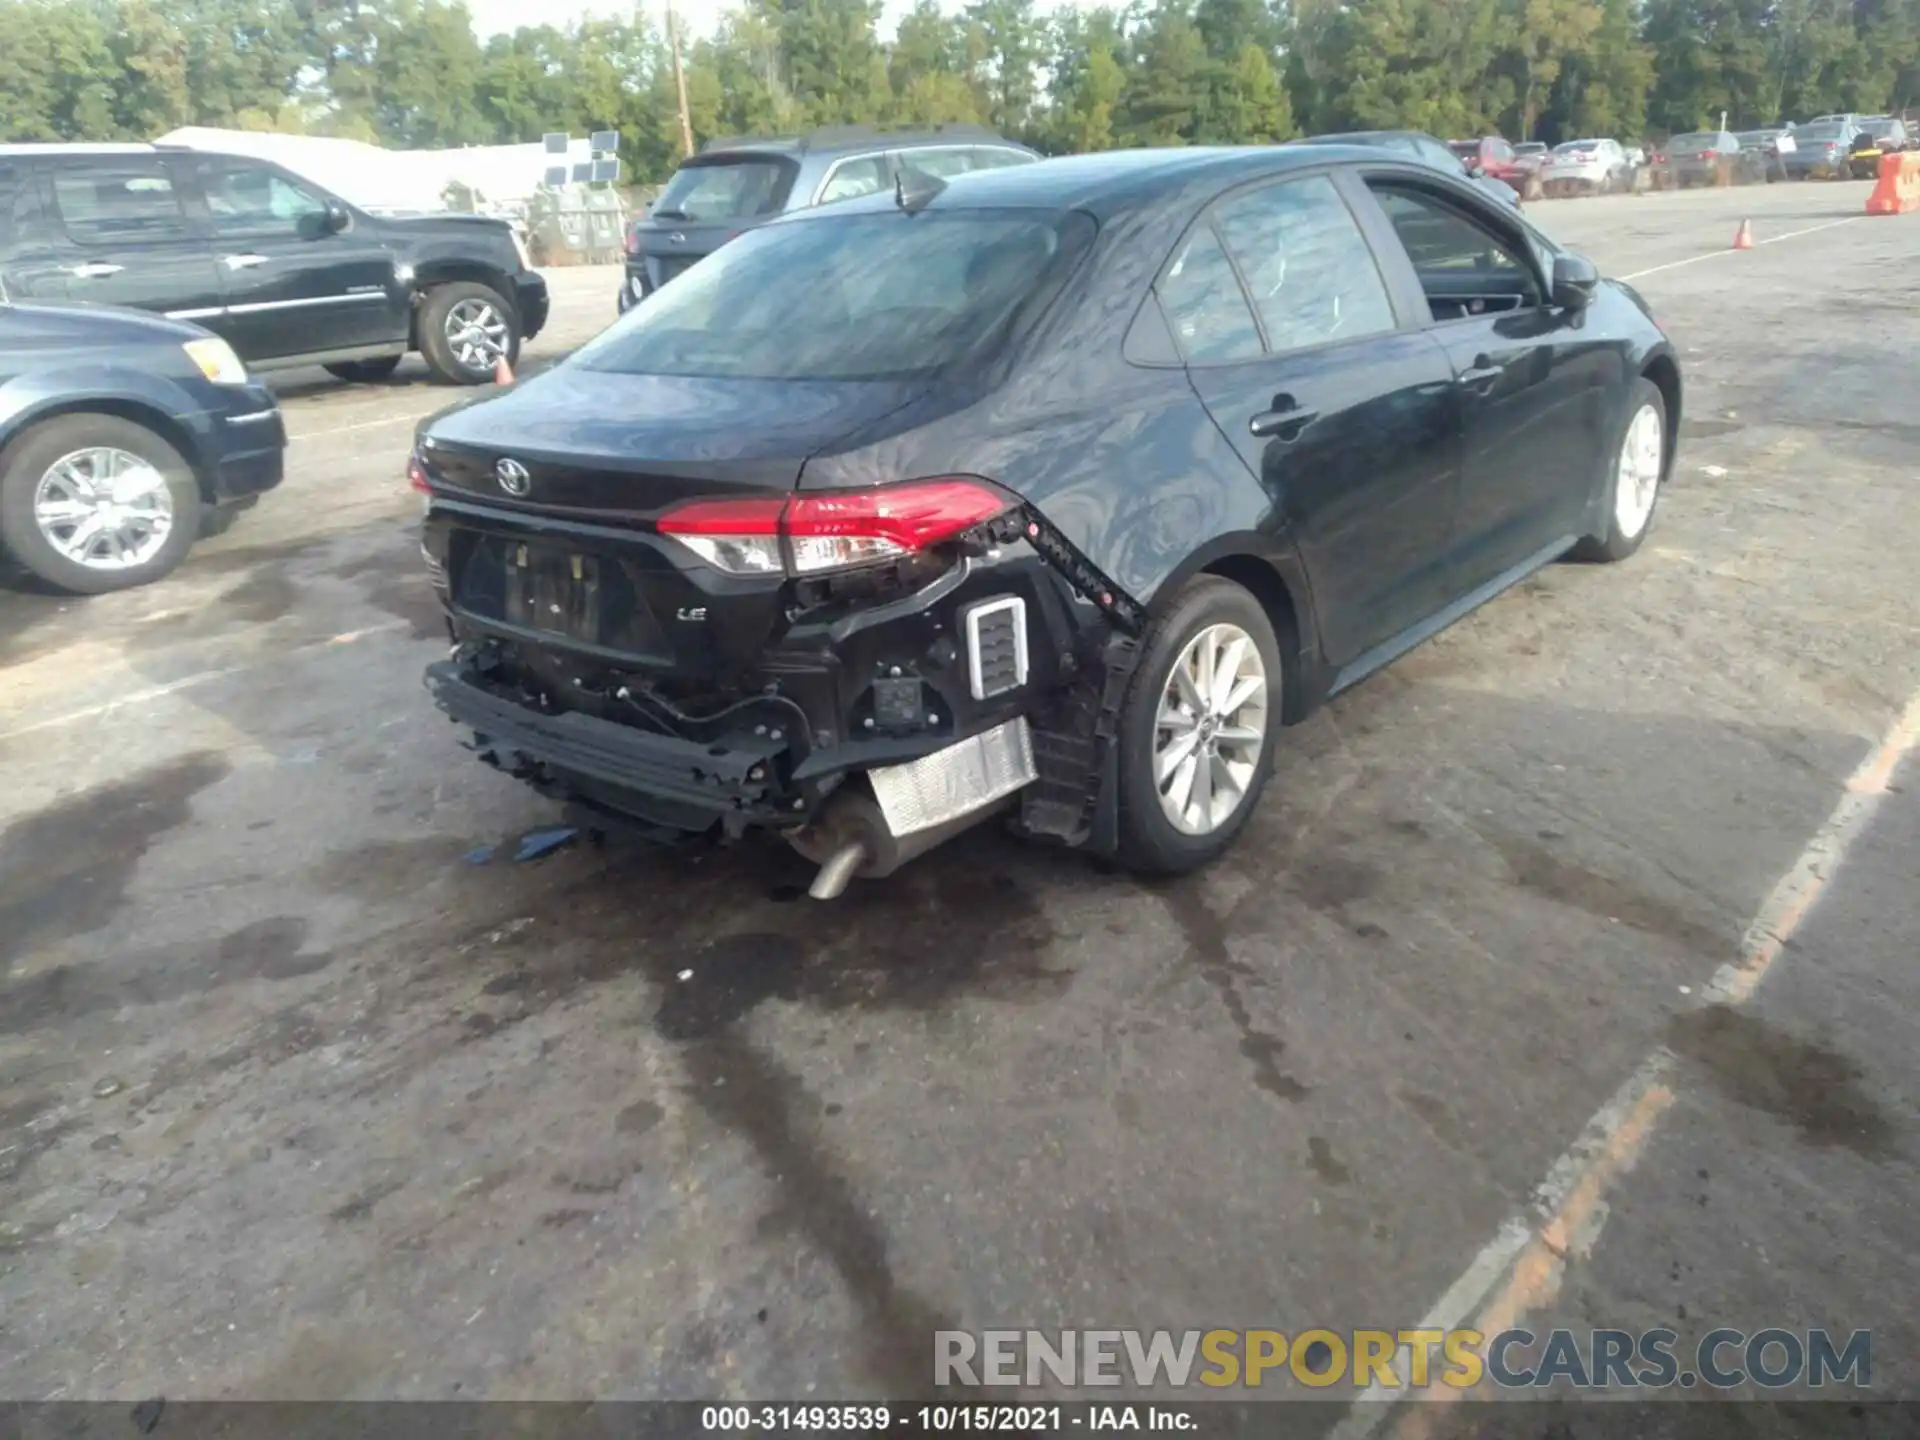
column 480, row 854
column 545, row 842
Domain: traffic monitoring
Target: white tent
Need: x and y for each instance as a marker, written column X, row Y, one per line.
column 389, row 180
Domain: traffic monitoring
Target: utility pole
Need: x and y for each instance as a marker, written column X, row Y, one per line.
column 679, row 81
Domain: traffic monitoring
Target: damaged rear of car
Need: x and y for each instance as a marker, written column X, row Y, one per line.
column 1055, row 489
column 662, row 616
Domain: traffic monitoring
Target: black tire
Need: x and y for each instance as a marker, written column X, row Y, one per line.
column 1614, row 545
column 436, row 349
column 33, row 453
column 1149, row 841
column 364, row 372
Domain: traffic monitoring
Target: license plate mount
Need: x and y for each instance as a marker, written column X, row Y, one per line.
column 556, row 591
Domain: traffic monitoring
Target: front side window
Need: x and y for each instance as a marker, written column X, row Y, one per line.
column 252, row 200
column 1306, row 264
column 1465, row 267
column 846, row 297
column 854, row 178
column 118, row 202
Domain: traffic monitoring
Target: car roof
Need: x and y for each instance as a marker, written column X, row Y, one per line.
column 1114, row 180
column 843, row 139
column 77, row 148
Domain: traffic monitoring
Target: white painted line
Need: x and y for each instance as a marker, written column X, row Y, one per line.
column 1520, row 1266
column 204, row 677
column 1716, row 254
column 360, row 425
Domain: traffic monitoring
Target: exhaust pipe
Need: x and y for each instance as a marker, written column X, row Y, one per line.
column 851, row 839
column 834, row 877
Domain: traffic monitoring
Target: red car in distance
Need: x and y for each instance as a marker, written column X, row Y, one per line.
column 1490, row 155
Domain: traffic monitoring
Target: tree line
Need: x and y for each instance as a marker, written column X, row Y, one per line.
column 1170, row 72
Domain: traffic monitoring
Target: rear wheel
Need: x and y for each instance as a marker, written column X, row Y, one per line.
column 92, row 503
column 466, row 329
column 1198, row 731
column 1639, row 465
column 364, row 372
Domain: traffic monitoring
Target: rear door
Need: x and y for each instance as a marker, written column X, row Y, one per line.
column 127, row 238
column 294, row 286
column 1347, row 418
column 1533, row 380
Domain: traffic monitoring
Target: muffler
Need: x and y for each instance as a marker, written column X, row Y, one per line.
column 911, row 808
column 851, row 839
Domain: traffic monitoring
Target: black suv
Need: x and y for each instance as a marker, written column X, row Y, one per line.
column 285, row 272
column 733, row 185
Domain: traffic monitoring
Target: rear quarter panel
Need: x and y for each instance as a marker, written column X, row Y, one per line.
column 1121, row 458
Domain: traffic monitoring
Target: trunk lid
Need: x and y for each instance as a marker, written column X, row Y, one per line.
column 559, row 546
column 622, row 448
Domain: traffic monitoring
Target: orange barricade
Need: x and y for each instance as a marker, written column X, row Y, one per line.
column 1898, row 192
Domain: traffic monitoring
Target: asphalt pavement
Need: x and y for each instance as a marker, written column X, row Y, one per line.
column 310, row 1089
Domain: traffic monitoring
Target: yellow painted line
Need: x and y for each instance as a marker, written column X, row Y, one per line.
column 1520, row 1269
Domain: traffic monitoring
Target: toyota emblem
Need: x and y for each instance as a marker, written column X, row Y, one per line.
column 678, row 237
column 513, row 477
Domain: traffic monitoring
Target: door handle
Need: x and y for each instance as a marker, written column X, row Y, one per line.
column 95, row 270
column 243, row 262
column 1483, row 375
column 1284, row 421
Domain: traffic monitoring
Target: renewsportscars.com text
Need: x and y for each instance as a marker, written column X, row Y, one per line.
column 1598, row 1359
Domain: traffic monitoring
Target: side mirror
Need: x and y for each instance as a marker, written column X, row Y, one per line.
column 337, row 217
column 1575, row 278
column 1476, row 171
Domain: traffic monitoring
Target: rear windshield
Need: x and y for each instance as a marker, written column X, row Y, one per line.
column 1828, row 131
column 730, row 188
column 1694, row 144
column 1880, row 129
column 1465, row 149
column 851, row 297
column 1529, row 147
column 1570, row 146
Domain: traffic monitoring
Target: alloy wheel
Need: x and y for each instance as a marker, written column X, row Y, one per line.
column 104, row 508
column 1637, row 483
column 1210, row 729
column 477, row 334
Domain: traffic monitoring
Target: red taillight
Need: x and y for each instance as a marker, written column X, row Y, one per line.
column 417, row 475
column 832, row 530
column 633, row 242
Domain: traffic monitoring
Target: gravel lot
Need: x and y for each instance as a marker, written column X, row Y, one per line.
column 297, row 1102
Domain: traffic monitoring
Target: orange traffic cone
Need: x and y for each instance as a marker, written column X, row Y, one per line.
column 502, row 372
column 1743, row 237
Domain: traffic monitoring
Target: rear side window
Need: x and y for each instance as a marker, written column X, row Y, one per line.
column 847, row 297
column 854, row 178
column 1306, row 264
column 1204, row 305
column 118, row 202
column 733, row 188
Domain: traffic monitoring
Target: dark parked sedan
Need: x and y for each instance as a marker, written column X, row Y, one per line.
column 123, row 437
column 1055, row 491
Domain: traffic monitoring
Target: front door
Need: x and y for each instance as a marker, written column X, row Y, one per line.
column 125, row 238
column 1533, row 381
column 1350, row 423
column 295, row 285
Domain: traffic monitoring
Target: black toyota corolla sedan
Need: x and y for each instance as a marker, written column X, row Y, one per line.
column 1052, row 492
